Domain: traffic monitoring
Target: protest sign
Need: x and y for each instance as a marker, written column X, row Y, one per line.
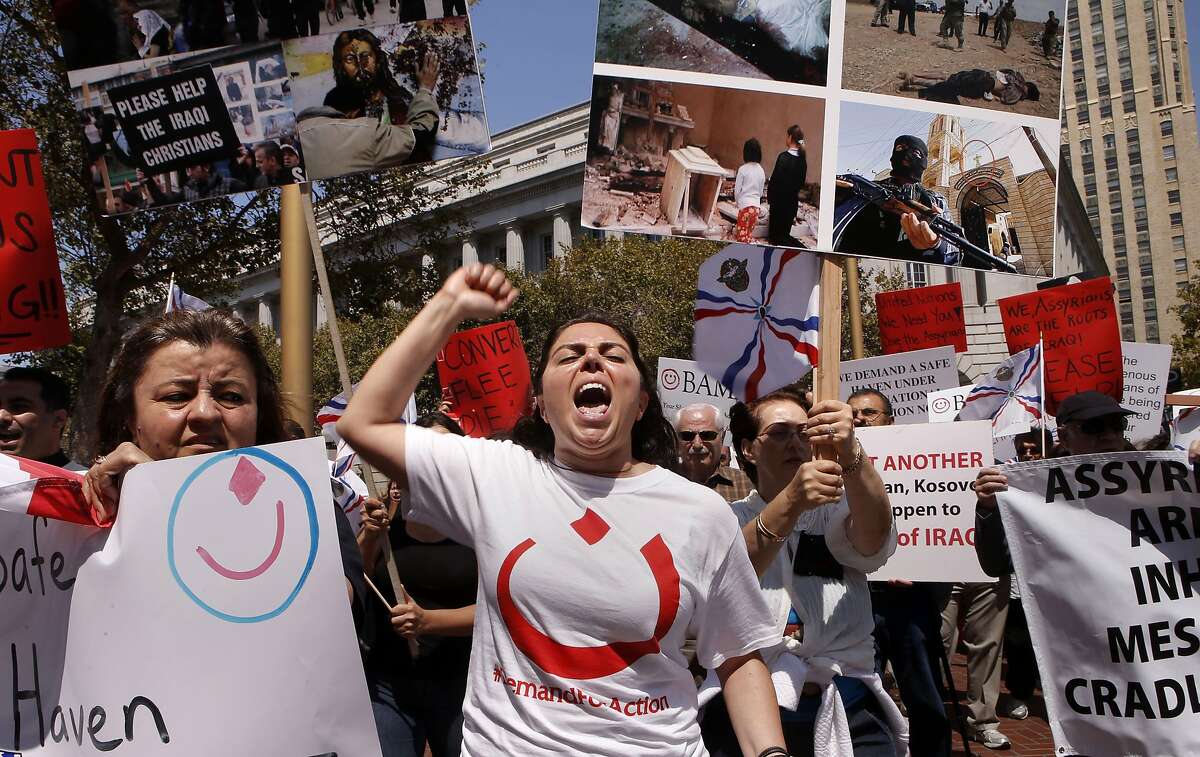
column 175, row 121
column 905, row 379
column 33, row 313
column 1144, row 374
column 485, row 376
column 929, row 473
column 163, row 638
column 1078, row 324
column 1105, row 549
column 916, row 319
column 682, row 383
column 944, row 404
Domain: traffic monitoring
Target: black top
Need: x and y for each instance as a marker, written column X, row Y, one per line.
column 352, row 565
column 783, row 194
column 438, row 576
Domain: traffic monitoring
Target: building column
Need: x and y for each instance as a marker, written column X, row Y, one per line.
column 562, row 233
column 514, row 247
column 470, row 250
column 264, row 314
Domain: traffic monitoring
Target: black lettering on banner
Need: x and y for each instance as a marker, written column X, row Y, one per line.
column 175, row 121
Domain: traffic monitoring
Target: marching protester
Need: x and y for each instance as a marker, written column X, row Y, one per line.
column 748, row 188
column 783, row 189
column 417, row 700
column 701, row 431
column 814, row 528
column 585, row 540
column 908, row 624
column 34, row 406
column 189, row 383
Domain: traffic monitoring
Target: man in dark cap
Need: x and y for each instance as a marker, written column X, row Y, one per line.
column 904, row 237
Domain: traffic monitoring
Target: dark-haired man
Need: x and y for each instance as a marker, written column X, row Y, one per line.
column 268, row 157
column 202, row 183
column 33, row 413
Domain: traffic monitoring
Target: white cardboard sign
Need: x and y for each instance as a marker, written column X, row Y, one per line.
column 944, row 404
column 682, row 383
column 929, row 472
column 212, row 619
column 1145, row 369
column 905, row 378
column 1103, row 546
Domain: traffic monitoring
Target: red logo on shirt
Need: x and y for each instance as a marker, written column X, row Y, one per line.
column 590, row 662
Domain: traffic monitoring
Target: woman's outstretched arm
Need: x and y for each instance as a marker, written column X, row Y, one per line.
column 371, row 421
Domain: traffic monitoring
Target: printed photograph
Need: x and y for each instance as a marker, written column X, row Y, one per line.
column 786, row 40
column 936, row 188
column 370, row 99
column 699, row 161
column 156, row 134
column 102, row 32
column 998, row 54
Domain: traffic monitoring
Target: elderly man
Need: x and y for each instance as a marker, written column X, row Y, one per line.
column 701, row 432
column 907, row 624
column 33, row 414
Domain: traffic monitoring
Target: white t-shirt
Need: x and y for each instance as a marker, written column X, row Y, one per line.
column 748, row 185
column 587, row 588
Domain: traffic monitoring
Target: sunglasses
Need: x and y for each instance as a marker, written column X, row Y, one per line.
column 688, row 436
column 869, row 413
column 782, row 433
column 1097, row 426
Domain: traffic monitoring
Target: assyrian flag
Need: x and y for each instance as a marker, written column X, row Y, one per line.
column 181, row 300
column 331, row 411
column 349, row 490
column 41, row 490
column 756, row 318
column 1011, row 395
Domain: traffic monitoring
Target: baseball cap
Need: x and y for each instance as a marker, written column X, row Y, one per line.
column 1087, row 405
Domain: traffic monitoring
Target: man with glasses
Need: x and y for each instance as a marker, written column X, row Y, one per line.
column 908, row 624
column 814, row 528
column 701, row 433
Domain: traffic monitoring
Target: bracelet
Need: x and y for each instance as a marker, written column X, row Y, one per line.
column 858, row 459
column 774, row 751
column 765, row 532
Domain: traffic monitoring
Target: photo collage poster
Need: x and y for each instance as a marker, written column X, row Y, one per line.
column 917, row 131
column 177, row 106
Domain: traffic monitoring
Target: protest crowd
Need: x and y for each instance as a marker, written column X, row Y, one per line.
column 767, row 638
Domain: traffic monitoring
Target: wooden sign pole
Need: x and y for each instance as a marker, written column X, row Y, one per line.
column 343, row 368
column 827, row 374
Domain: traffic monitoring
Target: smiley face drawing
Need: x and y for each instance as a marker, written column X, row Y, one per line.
column 584, row 663
column 244, row 492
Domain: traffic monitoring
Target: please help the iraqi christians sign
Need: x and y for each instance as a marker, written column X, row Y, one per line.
column 1105, row 549
column 175, row 121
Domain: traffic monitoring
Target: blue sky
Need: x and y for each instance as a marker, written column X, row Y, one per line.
column 538, row 57
column 1193, row 33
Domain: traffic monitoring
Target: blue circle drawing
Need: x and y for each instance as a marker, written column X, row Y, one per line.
column 313, row 532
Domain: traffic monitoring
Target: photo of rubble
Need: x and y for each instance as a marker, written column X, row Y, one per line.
column 996, row 54
column 785, row 40
column 709, row 162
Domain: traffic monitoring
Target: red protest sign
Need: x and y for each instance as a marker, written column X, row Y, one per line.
column 1082, row 337
column 33, row 313
column 916, row 319
column 485, row 376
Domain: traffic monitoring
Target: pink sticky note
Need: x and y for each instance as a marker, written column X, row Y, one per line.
column 246, row 481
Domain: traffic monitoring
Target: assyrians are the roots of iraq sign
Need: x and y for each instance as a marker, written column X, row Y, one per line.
column 213, row 619
column 1107, row 552
column 929, row 474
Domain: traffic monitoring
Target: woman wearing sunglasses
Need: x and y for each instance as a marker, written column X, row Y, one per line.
column 814, row 529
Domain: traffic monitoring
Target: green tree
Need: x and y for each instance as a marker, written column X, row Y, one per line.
column 870, row 283
column 1186, row 343
column 116, row 268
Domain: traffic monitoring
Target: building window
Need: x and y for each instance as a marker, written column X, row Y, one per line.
column 1173, row 197
column 1167, row 127
column 1177, row 243
column 917, row 274
column 1172, row 174
column 1085, row 147
column 1105, row 105
column 1110, row 141
column 1177, row 219
column 1084, row 116
column 547, row 250
column 1168, row 152
column 1181, row 266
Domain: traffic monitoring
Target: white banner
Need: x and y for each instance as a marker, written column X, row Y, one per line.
column 212, row 619
column 1145, row 369
column 682, row 383
column 1105, row 549
column 929, row 472
column 905, row 378
column 944, row 404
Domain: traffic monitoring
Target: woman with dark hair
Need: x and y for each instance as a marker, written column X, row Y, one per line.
column 783, row 189
column 814, row 528
column 748, row 190
column 189, row 383
column 594, row 558
column 417, row 700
